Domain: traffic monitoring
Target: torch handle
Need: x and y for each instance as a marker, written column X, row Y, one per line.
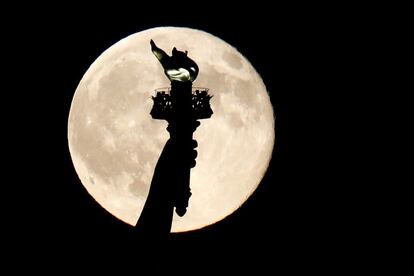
column 182, row 137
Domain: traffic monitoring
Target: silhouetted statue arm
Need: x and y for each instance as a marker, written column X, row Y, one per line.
column 168, row 188
column 170, row 185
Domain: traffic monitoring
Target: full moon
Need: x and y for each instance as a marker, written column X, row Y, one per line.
column 115, row 144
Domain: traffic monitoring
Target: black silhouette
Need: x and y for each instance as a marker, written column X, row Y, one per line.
column 170, row 185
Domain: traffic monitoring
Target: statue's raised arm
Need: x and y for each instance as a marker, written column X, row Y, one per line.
column 178, row 67
column 181, row 108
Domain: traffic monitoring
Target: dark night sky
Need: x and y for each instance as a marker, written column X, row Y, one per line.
column 294, row 220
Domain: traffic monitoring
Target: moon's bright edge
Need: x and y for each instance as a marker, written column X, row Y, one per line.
column 114, row 143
